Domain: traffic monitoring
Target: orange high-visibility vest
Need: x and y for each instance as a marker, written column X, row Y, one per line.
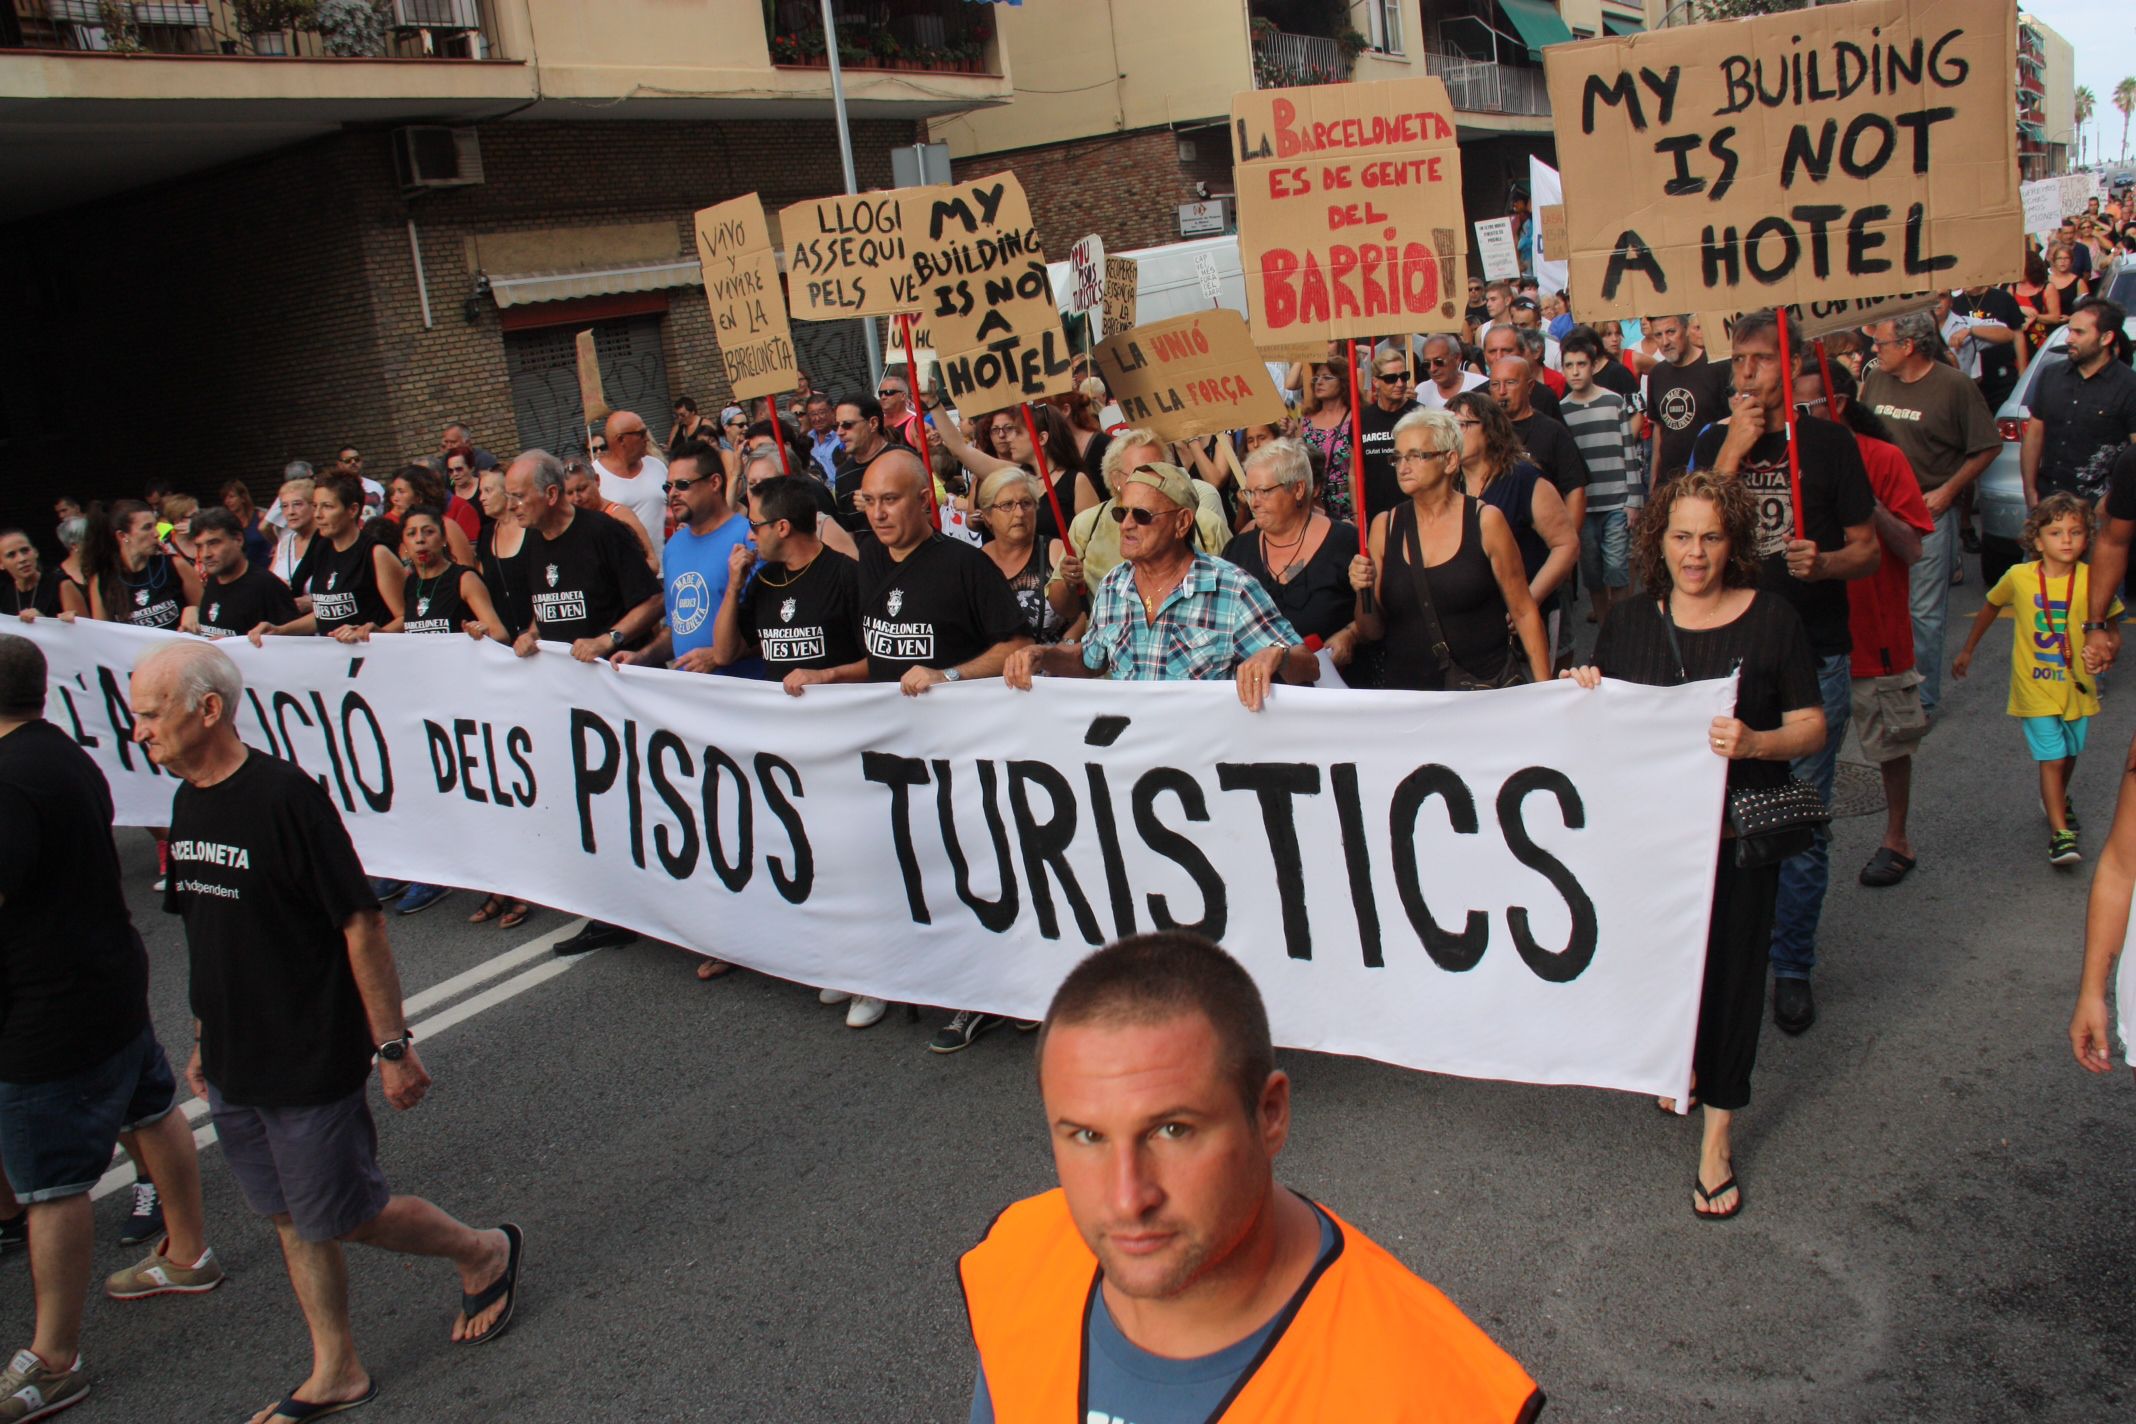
column 1369, row 1340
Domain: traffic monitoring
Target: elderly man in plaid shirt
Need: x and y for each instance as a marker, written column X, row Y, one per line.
column 1170, row 612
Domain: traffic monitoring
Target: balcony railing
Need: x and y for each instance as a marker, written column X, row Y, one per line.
column 1478, row 86
column 940, row 36
column 1285, row 61
column 296, row 29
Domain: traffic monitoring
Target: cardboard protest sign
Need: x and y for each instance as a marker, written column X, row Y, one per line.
column 979, row 276
column 2077, row 191
column 1191, row 375
column 1818, row 318
column 1495, row 252
column 1123, row 284
column 1086, row 274
column 748, row 308
column 846, row 256
column 1550, row 233
column 1853, row 150
column 1350, row 218
column 592, row 400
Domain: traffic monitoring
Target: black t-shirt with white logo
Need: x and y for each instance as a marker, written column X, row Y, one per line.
column 437, row 605
column 944, row 605
column 1377, row 429
column 344, row 584
column 233, row 609
column 153, row 598
column 584, row 580
column 809, row 622
column 265, row 877
column 1835, row 496
column 73, row 974
column 1683, row 400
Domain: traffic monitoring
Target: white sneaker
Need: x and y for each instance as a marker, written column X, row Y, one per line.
column 832, row 996
column 865, row 1011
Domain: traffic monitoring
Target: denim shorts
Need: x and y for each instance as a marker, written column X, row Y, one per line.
column 56, row 1138
column 316, row 1165
column 1605, row 549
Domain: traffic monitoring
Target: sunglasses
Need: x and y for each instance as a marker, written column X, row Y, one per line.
column 851, row 424
column 1393, row 378
column 673, row 486
column 1144, row 517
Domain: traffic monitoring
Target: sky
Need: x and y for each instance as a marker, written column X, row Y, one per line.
column 2103, row 33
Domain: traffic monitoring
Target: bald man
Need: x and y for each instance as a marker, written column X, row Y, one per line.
column 1549, row 444
column 634, row 477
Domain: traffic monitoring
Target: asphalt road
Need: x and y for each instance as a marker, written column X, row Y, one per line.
column 737, row 1209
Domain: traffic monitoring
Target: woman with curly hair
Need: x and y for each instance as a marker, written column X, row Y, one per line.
column 1703, row 616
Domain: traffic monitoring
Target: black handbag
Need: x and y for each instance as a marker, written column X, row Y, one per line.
column 1456, row 677
column 1769, row 824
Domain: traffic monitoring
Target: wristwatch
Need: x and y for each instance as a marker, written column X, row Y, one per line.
column 2098, row 627
column 952, row 675
column 393, row 1050
column 615, row 637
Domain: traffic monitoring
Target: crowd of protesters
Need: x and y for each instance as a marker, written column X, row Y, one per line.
column 1431, row 518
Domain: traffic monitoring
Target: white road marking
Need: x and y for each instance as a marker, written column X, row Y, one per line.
column 121, row 1175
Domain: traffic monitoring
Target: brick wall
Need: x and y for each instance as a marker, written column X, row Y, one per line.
column 1126, row 188
column 219, row 325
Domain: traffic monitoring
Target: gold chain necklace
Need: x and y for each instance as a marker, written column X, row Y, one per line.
column 793, row 578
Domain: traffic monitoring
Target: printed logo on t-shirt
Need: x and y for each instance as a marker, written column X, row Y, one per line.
column 334, row 607
column 786, row 611
column 902, row 642
column 1775, row 496
column 215, row 612
column 566, row 607
column 140, row 597
column 896, row 601
column 1678, row 407
column 551, row 575
column 795, row 645
column 331, row 577
column 693, row 602
column 422, row 605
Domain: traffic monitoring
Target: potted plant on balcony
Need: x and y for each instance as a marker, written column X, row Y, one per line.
column 1351, row 43
column 267, row 22
column 353, row 29
column 886, row 52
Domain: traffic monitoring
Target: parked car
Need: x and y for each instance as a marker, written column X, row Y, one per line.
column 2001, row 498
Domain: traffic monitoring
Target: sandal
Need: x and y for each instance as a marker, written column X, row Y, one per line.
column 513, row 918
column 505, row 1288
column 1886, row 867
column 1708, row 1198
column 300, row 1410
column 494, row 906
column 714, row 969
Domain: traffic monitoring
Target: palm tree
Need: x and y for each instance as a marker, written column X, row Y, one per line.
column 2086, row 101
column 2125, row 100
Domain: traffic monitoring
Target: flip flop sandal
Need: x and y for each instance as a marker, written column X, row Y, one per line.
column 1708, row 1198
column 494, row 906
column 712, row 969
column 505, row 1288
column 298, row 1409
column 1886, row 867
column 513, row 918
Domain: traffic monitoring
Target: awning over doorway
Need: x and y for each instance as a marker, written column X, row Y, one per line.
column 1622, row 27
column 514, row 290
column 1538, row 22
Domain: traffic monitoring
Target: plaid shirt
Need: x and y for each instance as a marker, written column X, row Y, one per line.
column 1217, row 618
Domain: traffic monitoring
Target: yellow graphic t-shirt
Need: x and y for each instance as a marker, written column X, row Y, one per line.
column 2045, row 638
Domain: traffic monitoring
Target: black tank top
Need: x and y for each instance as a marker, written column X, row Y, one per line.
column 1464, row 593
column 434, row 605
column 344, row 584
column 507, row 582
column 153, row 598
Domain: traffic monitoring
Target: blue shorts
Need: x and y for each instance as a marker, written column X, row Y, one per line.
column 1605, row 549
column 56, row 1138
column 316, row 1165
column 2052, row 739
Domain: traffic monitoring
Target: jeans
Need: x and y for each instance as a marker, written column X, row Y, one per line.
column 1930, row 600
column 1803, row 877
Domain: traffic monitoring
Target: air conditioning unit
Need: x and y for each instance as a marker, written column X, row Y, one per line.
column 436, row 15
column 434, row 156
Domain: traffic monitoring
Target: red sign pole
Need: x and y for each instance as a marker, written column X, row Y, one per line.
column 1357, row 464
column 915, row 425
column 1787, row 406
column 1045, row 476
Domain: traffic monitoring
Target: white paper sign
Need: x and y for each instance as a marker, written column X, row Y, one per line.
column 2042, row 198
column 1472, row 883
column 1553, row 270
column 1086, row 274
column 1495, row 251
column 1205, row 273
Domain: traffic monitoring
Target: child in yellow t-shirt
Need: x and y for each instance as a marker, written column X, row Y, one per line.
column 2053, row 690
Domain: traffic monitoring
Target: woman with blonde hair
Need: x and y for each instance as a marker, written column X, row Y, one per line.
column 1008, row 504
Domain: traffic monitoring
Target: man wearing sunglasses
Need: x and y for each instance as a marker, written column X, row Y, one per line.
column 695, row 565
column 1444, row 375
column 631, row 475
column 860, row 431
column 1170, row 613
column 1390, row 401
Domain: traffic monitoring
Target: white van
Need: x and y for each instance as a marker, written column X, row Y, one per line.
column 1169, row 278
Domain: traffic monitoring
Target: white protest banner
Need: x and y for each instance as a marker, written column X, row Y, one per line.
column 748, row 309
column 847, row 256
column 1192, row 375
column 1350, row 217
column 1086, row 273
column 1495, row 252
column 1854, row 150
column 2042, row 198
column 1472, row 883
column 1546, row 194
column 980, row 281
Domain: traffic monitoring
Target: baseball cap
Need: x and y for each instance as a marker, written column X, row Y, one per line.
column 1168, row 480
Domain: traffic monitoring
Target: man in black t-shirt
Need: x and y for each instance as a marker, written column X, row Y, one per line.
column 1391, row 381
column 2110, row 557
column 238, row 595
column 2083, row 410
column 799, row 609
column 1806, row 557
column 861, row 433
column 1549, row 444
column 586, row 573
column 293, row 989
column 80, row 1068
column 1685, row 392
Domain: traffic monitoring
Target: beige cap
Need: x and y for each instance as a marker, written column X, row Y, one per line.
column 1168, row 480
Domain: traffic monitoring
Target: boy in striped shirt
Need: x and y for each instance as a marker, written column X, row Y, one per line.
column 1602, row 425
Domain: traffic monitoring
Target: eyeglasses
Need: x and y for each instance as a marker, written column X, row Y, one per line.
column 1121, row 513
column 1435, row 362
column 1254, row 492
column 1015, row 506
column 762, row 523
column 673, row 486
column 601, row 449
column 1421, row 457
